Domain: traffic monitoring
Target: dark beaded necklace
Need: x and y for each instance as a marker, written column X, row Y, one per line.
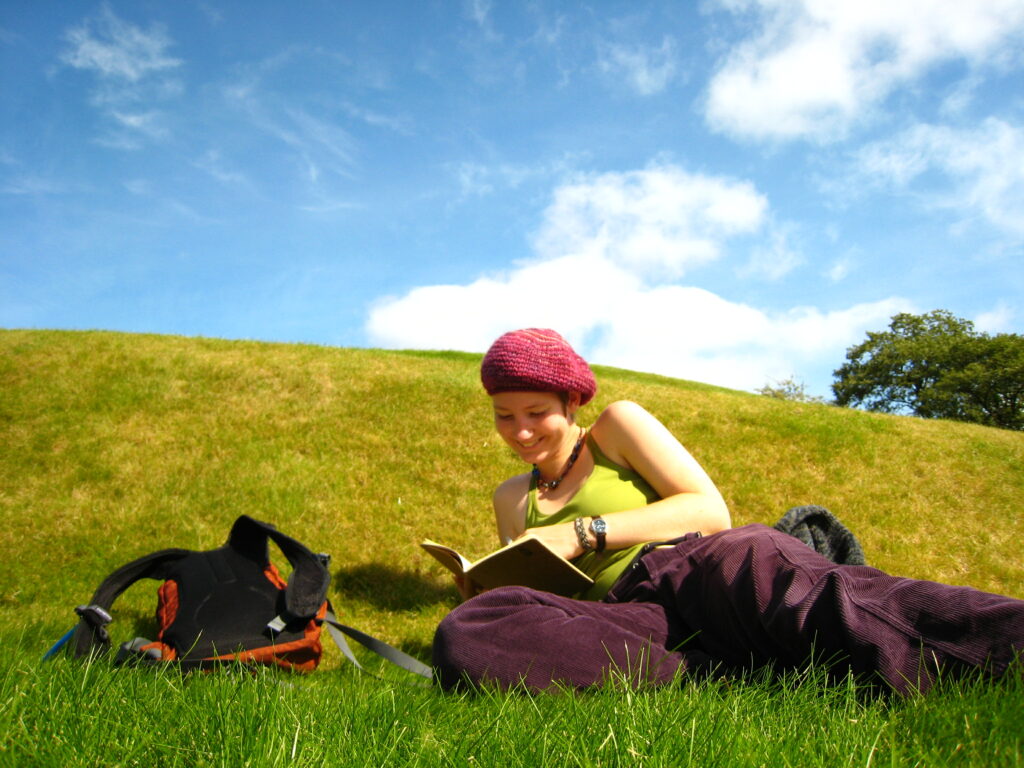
column 550, row 485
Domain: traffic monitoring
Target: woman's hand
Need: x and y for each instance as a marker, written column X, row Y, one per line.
column 561, row 538
column 467, row 587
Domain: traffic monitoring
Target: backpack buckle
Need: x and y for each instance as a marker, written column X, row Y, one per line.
column 97, row 618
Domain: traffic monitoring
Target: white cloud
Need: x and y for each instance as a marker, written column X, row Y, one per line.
column 602, row 251
column 690, row 333
column 563, row 293
column 647, row 70
column 817, row 66
column 660, row 221
column 985, row 167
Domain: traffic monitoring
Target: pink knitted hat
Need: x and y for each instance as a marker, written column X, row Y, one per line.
column 536, row 360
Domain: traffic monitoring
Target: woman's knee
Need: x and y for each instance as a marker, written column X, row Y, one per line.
column 471, row 641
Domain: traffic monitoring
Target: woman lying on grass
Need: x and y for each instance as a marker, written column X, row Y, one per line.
column 712, row 598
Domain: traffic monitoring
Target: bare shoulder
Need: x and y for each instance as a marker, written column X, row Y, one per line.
column 509, row 501
column 623, row 413
column 631, row 436
column 624, row 425
column 512, row 490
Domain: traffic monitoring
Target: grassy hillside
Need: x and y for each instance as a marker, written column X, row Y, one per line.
column 113, row 445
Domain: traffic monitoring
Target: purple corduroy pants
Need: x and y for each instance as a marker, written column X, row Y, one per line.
column 740, row 599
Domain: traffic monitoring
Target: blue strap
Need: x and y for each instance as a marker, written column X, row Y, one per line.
column 59, row 644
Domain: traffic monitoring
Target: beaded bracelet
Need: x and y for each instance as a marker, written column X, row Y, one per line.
column 581, row 534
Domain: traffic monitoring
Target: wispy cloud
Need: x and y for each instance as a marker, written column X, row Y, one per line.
column 320, row 144
column 645, row 69
column 839, row 270
column 479, row 11
column 983, row 165
column 312, row 126
column 32, row 185
column 814, row 69
column 397, row 124
column 132, row 68
column 482, row 179
column 114, row 48
column 212, row 163
column 773, row 259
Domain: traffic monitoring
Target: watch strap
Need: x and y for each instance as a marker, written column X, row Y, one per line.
column 600, row 531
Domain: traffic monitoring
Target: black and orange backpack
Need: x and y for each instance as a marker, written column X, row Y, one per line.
column 230, row 604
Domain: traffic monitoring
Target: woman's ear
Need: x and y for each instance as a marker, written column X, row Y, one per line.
column 573, row 404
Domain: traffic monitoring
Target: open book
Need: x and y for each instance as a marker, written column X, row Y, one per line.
column 527, row 562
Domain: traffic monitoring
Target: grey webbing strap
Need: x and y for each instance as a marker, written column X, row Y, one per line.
column 382, row 649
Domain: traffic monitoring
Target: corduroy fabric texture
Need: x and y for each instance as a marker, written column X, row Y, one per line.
column 743, row 598
column 536, row 360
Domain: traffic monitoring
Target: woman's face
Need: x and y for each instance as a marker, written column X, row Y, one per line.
column 536, row 425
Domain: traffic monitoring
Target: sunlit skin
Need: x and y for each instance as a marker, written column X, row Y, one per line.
column 540, row 427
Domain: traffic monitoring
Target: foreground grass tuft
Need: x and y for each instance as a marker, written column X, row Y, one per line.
column 89, row 713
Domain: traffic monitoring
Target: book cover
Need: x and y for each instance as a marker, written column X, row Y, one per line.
column 527, row 562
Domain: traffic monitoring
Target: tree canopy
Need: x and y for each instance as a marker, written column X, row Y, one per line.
column 936, row 365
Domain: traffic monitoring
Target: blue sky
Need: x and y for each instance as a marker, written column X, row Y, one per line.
column 730, row 191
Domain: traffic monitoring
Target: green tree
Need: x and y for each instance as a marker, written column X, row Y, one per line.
column 936, row 366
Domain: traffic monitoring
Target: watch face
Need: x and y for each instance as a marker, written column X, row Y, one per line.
column 599, row 526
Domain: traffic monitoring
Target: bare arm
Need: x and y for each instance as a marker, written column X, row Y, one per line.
column 690, row 501
column 510, row 502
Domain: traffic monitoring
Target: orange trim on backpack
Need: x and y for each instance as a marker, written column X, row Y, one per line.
column 298, row 656
column 166, row 606
column 274, row 576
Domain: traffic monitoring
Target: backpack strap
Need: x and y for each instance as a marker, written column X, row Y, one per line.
column 382, row 649
column 91, row 633
column 309, row 579
column 307, row 592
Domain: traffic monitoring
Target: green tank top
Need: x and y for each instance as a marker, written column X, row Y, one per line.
column 610, row 488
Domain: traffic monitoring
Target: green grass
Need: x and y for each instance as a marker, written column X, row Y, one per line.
column 114, row 445
column 86, row 714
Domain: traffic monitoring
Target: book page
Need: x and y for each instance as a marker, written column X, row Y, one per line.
column 447, row 556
